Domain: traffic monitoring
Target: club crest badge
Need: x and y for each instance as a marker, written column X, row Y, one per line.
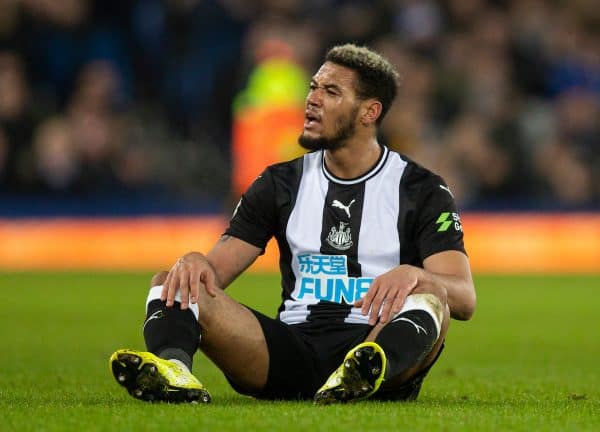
column 340, row 238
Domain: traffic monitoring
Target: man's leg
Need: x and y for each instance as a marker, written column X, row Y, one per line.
column 170, row 333
column 394, row 353
column 230, row 335
column 413, row 340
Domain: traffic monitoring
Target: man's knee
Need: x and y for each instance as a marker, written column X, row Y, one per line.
column 432, row 304
column 159, row 278
column 437, row 291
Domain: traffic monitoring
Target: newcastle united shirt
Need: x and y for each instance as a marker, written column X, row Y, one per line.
column 336, row 235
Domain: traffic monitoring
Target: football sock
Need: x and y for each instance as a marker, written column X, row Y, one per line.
column 169, row 332
column 410, row 336
column 179, row 362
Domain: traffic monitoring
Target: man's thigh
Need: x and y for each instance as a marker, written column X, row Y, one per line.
column 293, row 371
column 302, row 356
column 232, row 338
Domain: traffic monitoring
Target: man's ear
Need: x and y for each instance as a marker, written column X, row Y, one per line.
column 371, row 112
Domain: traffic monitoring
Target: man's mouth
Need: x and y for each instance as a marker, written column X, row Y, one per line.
column 311, row 119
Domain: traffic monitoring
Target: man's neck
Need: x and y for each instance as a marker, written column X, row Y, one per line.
column 354, row 159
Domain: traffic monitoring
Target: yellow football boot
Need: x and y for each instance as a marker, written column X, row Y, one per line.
column 358, row 377
column 151, row 378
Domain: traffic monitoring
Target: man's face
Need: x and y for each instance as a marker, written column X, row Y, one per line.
column 331, row 108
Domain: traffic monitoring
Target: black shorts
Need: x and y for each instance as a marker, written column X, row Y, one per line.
column 302, row 356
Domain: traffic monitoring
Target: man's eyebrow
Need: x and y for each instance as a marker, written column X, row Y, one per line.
column 326, row 86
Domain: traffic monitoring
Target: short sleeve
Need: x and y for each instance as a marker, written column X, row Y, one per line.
column 438, row 225
column 254, row 217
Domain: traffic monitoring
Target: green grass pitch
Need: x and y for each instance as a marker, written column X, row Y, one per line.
column 528, row 360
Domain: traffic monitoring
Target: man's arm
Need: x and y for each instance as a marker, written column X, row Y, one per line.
column 451, row 270
column 448, row 270
column 228, row 258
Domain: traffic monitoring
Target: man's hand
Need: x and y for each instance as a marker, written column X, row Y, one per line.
column 191, row 272
column 390, row 290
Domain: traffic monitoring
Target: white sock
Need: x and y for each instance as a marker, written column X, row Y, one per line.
column 155, row 292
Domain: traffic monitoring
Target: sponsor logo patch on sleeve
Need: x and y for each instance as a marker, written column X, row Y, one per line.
column 447, row 221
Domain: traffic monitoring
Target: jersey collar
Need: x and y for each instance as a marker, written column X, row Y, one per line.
column 366, row 176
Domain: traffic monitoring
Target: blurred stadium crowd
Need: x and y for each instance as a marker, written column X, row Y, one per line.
column 502, row 98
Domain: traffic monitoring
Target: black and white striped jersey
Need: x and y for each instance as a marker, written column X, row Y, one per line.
column 335, row 235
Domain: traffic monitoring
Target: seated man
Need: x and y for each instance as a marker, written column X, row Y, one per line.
column 372, row 266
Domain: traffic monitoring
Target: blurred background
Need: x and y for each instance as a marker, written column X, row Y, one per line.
column 171, row 107
column 129, row 129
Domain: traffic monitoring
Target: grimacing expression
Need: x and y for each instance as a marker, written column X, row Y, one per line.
column 331, row 108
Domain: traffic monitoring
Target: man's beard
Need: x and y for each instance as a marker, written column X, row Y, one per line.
column 345, row 128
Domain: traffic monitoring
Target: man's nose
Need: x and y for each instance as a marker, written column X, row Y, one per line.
column 314, row 98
